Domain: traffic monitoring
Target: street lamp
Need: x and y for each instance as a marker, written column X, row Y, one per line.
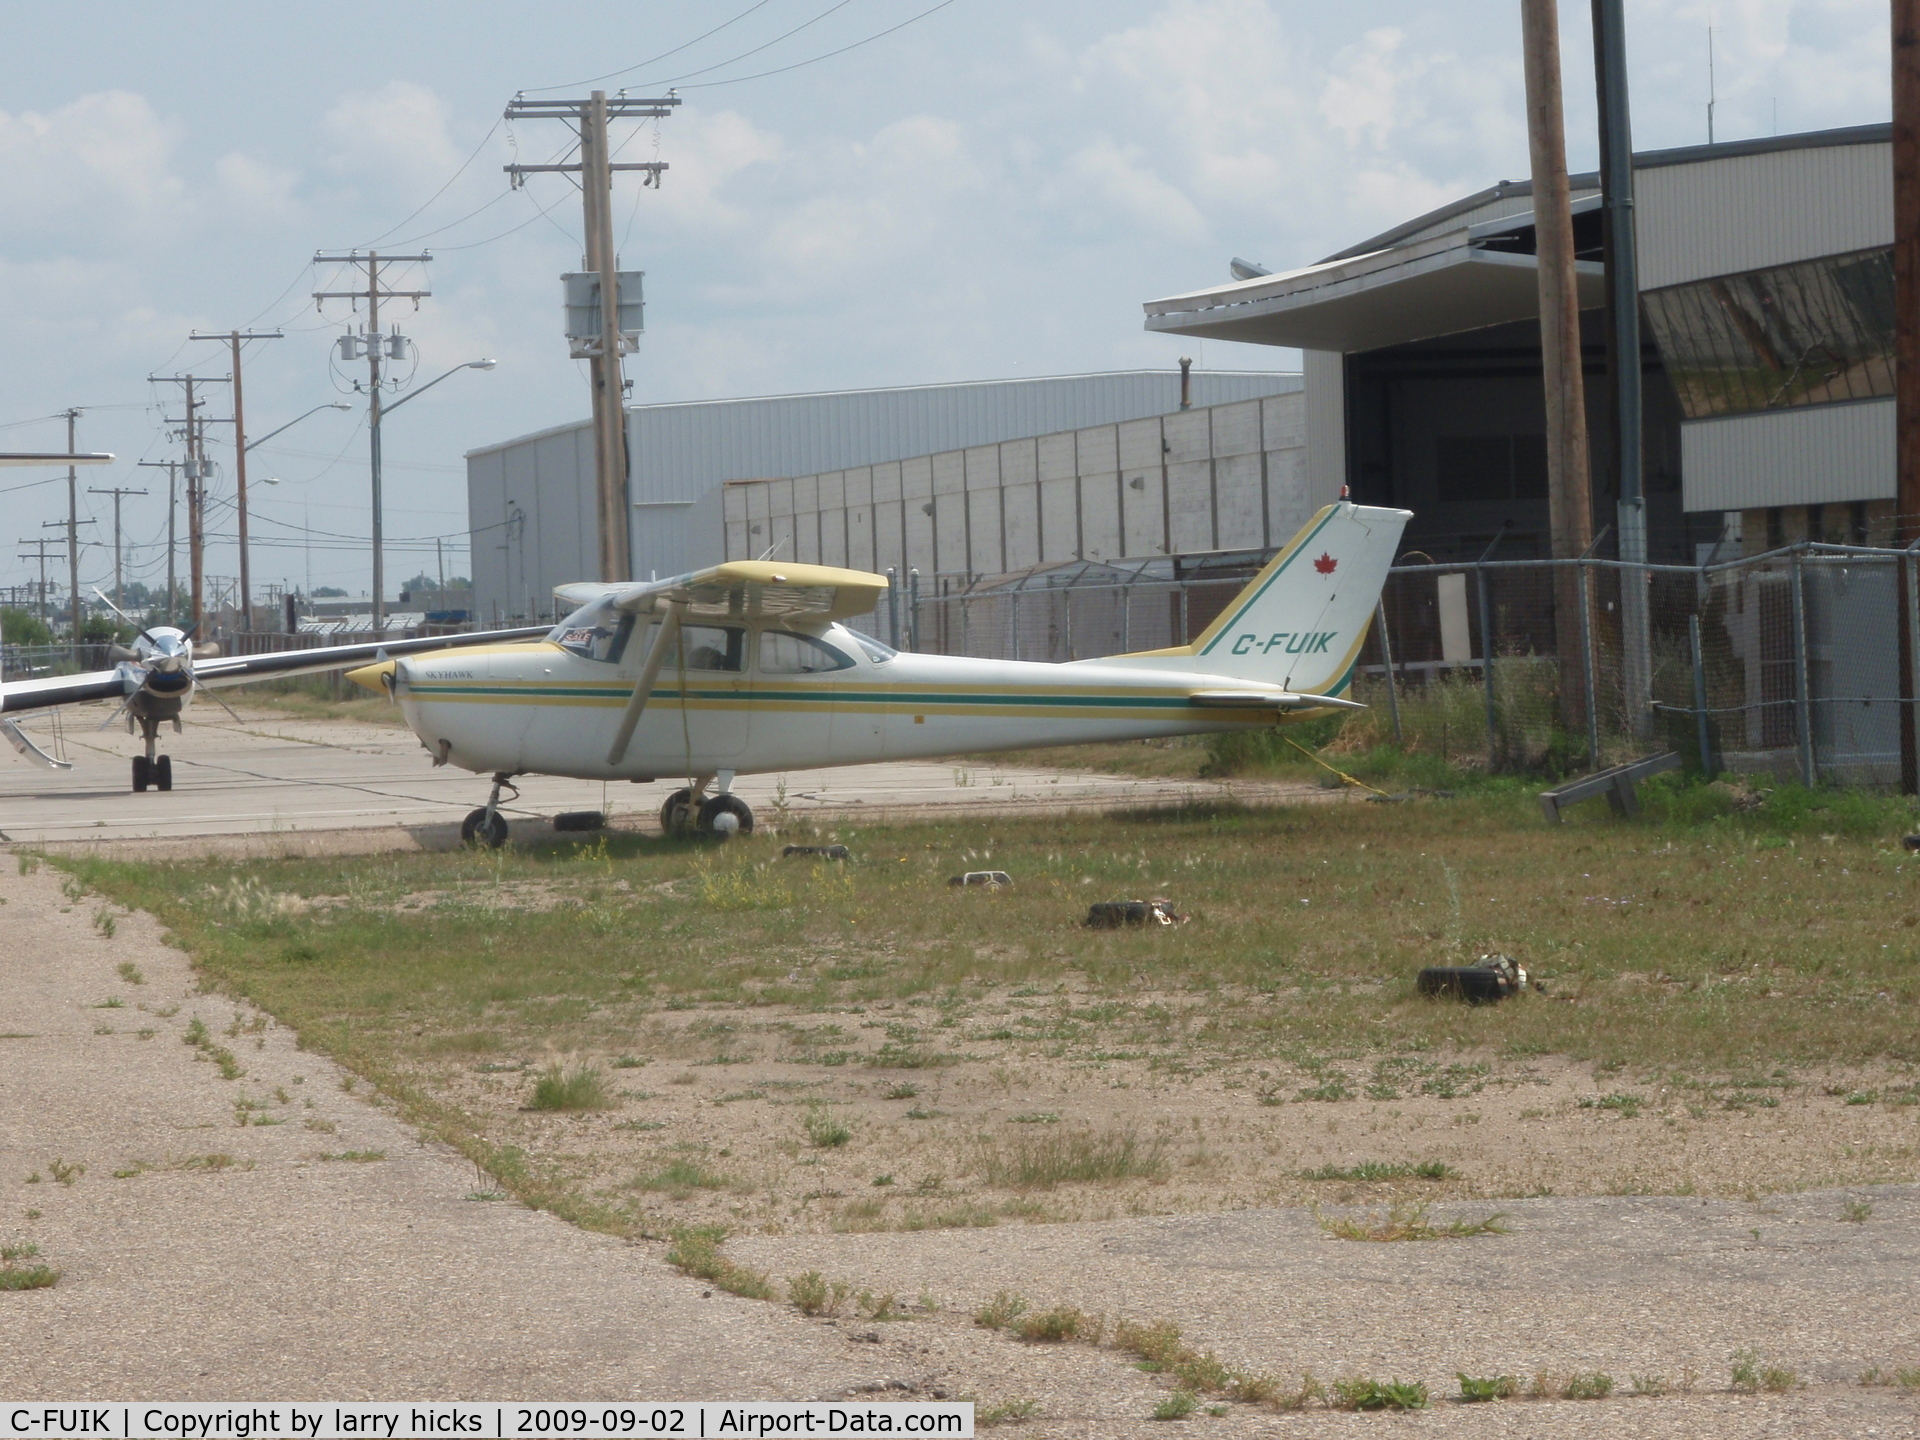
column 378, row 412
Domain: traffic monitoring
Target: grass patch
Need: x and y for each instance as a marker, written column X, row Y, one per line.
column 1407, row 1222
column 696, row 1252
column 825, row 1130
column 1372, row 1171
column 682, row 1177
column 1361, row 1393
column 1752, row 1374
column 1491, row 1387
column 581, row 1088
column 1048, row 1159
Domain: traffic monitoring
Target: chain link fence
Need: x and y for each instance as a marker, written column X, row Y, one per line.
column 1784, row 664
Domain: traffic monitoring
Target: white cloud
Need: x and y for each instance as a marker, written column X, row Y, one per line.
column 100, row 166
column 1120, row 176
column 256, row 190
column 394, row 137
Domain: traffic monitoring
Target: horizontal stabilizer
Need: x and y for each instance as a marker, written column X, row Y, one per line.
column 1270, row 700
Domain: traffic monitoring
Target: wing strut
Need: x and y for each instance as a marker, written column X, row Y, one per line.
column 667, row 640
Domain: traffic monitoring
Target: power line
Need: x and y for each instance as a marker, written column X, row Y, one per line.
column 722, row 64
column 615, row 74
column 802, row 64
column 369, row 244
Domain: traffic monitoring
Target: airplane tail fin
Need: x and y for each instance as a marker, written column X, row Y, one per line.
column 1301, row 621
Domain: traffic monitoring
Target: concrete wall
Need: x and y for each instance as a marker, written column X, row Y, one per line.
column 1221, row 477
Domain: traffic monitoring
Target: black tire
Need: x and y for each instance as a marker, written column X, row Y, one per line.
column 674, row 819
column 716, row 806
column 141, row 774
column 580, row 820
column 1474, row 984
column 475, row 830
column 163, row 773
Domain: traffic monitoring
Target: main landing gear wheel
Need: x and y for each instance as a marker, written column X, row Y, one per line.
column 725, row 816
column 141, row 774
column 163, row 773
column 676, row 817
column 480, row 828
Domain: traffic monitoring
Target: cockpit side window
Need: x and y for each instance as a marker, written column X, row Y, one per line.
column 707, row 647
column 876, row 652
column 784, row 653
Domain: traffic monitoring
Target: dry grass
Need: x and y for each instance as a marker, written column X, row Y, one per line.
column 1407, row 1222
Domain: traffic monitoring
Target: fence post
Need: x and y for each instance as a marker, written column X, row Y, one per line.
column 913, row 609
column 1067, row 596
column 893, row 608
column 1802, row 703
column 1126, row 619
column 1700, row 697
column 1586, row 659
column 966, row 626
column 1486, row 663
column 1909, row 721
column 1386, row 659
column 1185, row 637
column 1014, row 622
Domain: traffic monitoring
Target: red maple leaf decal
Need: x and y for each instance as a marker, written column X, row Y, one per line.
column 1325, row 564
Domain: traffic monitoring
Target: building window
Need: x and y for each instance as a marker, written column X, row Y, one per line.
column 1491, row 469
column 1817, row 332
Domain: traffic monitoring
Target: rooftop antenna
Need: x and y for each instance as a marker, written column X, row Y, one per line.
column 1711, row 96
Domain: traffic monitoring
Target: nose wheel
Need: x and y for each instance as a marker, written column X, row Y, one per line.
column 155, row 773
column 487, row 826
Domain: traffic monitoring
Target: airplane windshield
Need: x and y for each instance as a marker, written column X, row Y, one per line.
column 596, row 631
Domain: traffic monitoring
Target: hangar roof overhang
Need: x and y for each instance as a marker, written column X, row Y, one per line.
column 1438, row 286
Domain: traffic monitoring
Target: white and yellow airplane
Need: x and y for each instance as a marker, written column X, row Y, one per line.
column 744, row 668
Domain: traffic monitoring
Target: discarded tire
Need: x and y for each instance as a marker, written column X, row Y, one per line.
column 817, row 852
column 1910, row 842
column 1119, row 914
column 1463, row 982
column 580, row 820
column 982, row 879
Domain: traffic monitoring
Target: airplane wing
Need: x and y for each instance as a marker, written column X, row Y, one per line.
column 119, row 683
column 240, row 669
column 745, row 590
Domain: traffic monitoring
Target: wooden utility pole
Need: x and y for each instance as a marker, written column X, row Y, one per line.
column 195, row 469
column 371, row 345
column 596, row 168
column 1569, row 484
column 233, row 338
column 40, row 547
column 117, row 492
column 1906, row 350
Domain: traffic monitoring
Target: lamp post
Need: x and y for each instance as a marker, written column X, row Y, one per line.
column 377, row 412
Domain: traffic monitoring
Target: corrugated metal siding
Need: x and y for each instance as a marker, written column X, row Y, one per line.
column 680, row 452
column 1501, row 209
column 1817, row 455
column 1727, row 216
column 1219, row 477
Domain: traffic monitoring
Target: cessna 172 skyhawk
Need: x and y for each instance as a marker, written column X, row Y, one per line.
column 157, row 676
column 744, row 668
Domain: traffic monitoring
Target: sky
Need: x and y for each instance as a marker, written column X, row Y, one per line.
column 991, row 190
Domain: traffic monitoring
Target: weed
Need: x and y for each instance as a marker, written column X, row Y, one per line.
column 63, row 1172
column 901, row 1092
column 878, row 1307
column 812, row 1295
column 1651, row 1385
column 824, row 1129
column 17, row 1276
column 1360, row 1393
column 1629, row 1106
column 105, row 923
column 1493, row 1387
column 696, row 1252
column 1037, row 1117
column 214, row 1163
column 1001, row 1311
column 560, row 1089
column 1007, row 1412
column 1333, row 1090
column 28, row 863
column 196, row 1033
column 1856, row 1212
column 1047, row 1159
column 681, row 1178
column 1057, row 1325
column 1310, row 1392
column 1376, row 1170
column 1593, row 1385
column 1177, row 1406
column 130, row 973
column 628, row 1062
column 880, row 1180
column 1408, row 1222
